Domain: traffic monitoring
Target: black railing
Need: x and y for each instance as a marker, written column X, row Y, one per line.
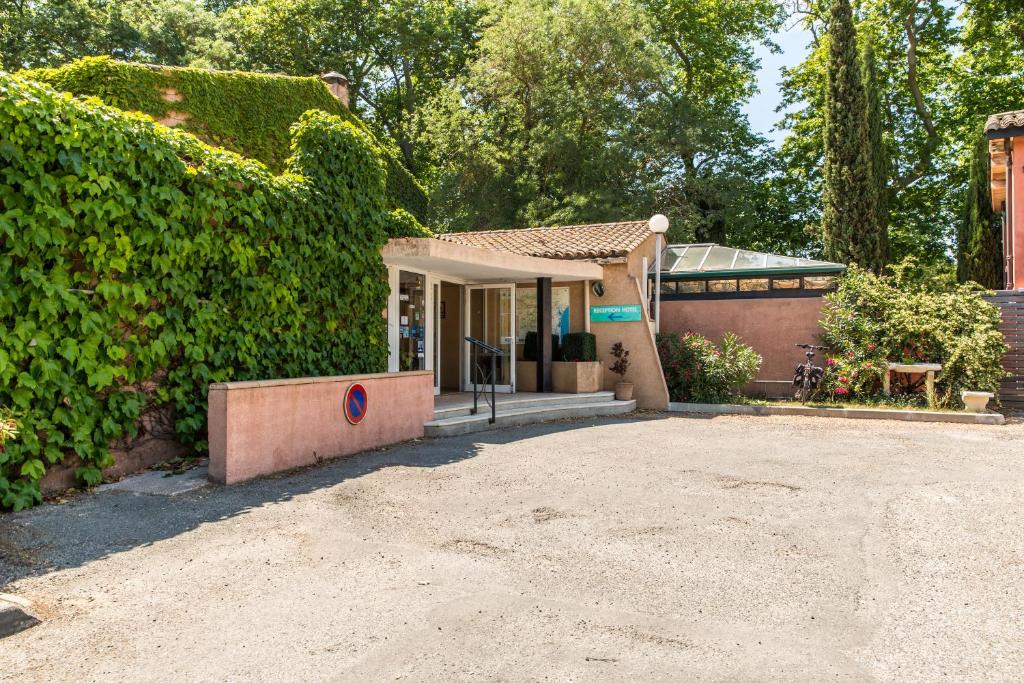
column 494, row 353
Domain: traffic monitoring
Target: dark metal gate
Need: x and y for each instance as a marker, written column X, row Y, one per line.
column 1011, row 306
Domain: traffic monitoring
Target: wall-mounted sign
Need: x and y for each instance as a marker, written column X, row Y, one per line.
column 355, row 403
column 616, row 314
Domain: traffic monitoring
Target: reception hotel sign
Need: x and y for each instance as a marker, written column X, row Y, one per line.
column 616, row 314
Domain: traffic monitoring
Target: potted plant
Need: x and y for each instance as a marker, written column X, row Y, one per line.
column 579, row 371
column 623, row 389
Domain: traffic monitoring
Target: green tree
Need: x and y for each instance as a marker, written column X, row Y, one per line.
column 914, row 42
column 849, row 230
column 534, row 135
column 878, row 150
column 711, row 167
column 396, row 54
column 980, row 243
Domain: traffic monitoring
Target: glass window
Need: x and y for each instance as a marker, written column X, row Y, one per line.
column 786, row 283
column 777, row 261
column 668, row 288
column 692, row 258
column 721, row 285
column 819, row 281
column 748, row 259
column 412, row 320
column 720, row 258
column 690, row 286
column 754, row 284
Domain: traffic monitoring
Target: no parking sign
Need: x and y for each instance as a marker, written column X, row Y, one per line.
column 355, row 403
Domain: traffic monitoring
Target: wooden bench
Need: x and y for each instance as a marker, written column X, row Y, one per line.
column 926, row 369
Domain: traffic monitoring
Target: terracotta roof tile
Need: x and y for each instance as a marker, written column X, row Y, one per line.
column 571, row 242
column 1004, row 121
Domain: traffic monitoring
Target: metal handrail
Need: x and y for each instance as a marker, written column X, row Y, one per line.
column 494, row 352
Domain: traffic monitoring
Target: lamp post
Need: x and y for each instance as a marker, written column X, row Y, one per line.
column 659, row 226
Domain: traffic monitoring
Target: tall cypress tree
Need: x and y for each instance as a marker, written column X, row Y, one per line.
column 848, row 224
column 879, row 153
column 980, row 236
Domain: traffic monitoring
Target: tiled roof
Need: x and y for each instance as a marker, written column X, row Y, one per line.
column 1004, row 121
column 601, row 240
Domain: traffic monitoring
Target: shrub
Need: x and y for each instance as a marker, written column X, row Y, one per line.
column 530, row 346
column 696, row 371
column 911, row 316
column 579, row 347
column 243, row 112
column 138, row 265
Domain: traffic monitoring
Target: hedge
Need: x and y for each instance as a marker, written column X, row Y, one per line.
column 244, row 112
column 579, row 347
column 137, row 265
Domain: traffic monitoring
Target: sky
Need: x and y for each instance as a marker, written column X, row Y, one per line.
column 761, row 109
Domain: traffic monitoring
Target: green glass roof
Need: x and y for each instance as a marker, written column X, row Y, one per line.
column 699, row 261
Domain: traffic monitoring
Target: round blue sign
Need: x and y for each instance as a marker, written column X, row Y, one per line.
column 355, row 403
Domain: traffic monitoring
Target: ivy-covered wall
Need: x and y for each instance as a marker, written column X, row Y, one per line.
column 243, row 112
column 137, row 265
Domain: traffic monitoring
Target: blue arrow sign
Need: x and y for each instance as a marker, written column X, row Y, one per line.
column 616, row 314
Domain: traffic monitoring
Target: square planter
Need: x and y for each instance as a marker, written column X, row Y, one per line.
column 526, row 375
column 576, row 378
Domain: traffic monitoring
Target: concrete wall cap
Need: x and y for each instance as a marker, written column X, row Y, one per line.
column 264, row 383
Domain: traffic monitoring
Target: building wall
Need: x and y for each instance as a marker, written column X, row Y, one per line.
column 258, row 428
column 772, row 326
column 623, row 283
column 1015, row 209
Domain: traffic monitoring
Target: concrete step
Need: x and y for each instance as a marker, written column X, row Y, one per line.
column 528, row 402
column 467, row 424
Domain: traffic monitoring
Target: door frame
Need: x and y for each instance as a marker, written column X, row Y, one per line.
column 467, row 383
column 428, row 318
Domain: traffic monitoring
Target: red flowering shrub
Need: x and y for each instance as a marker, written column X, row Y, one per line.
column 697, row 371
column 870, row 321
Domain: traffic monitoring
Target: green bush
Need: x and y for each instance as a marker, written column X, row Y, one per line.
column 696, row 371
column 137, row 265
column 243, row 112
column 579, row 347
column 530, row 347
column 912, row 316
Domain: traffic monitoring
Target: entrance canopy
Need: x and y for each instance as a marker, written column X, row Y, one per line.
column 479, row 265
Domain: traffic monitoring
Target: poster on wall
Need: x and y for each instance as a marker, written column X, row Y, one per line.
column 526, row 312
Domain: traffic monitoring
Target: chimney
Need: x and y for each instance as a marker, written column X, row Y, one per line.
column 338, row 86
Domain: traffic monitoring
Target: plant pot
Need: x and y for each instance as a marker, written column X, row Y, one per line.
column 976, row 401
column 576, row 378
column 526, row 375
column 624, row 391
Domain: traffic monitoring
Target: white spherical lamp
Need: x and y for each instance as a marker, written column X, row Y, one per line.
column 658, row 224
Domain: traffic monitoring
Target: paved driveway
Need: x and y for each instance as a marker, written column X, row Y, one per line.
column 661, row 548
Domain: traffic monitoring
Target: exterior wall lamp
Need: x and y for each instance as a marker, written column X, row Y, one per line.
column 659, row 226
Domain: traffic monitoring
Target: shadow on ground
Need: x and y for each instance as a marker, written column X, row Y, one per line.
column 92, row 526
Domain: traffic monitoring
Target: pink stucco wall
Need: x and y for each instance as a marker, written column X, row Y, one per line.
column 1015, row 210
column 258, row 428
column 772, row 326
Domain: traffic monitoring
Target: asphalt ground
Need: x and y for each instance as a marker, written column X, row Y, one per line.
column 651, row 548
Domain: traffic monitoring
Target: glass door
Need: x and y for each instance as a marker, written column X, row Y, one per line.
column 412, row 321
column 490, row 317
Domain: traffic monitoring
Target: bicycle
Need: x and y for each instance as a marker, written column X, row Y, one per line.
column 808, row 375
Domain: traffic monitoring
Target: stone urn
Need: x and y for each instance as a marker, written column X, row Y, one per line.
column 976, row 401
column 624, row 391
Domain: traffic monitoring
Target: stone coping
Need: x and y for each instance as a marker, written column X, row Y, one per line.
column 264, row 383
column 849, row 413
